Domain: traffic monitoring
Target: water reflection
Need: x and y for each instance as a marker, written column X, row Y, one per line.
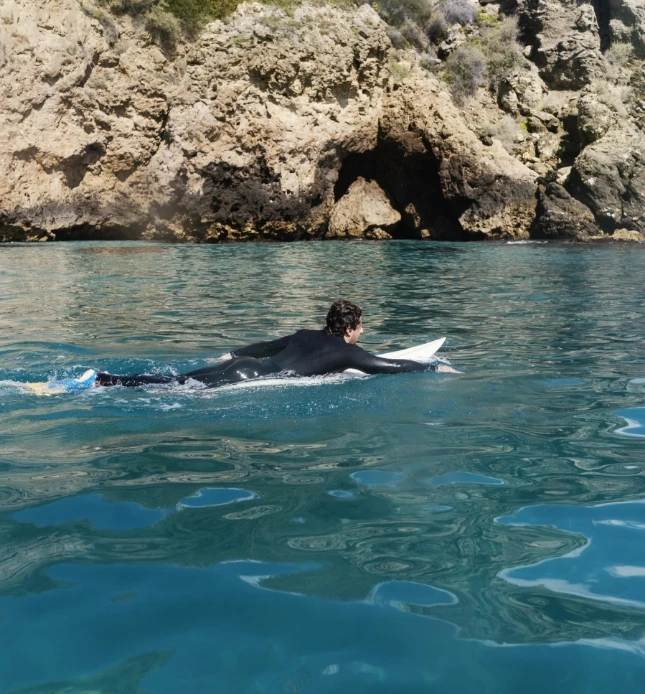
column 381, row 492
column 635, row 417
column 608, row 567
column 124, row 515
column 380, row 643
column 463, row 478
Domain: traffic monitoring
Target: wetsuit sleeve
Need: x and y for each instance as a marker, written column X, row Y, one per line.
column 263, row 349
column 371, row 364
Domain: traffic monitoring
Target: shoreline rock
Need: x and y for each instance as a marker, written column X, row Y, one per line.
column 305, row 126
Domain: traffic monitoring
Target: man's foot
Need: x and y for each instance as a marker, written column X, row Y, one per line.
column 104, row 379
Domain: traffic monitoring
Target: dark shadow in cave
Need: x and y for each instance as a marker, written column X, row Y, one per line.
column 411, row 181
column 89, row 232
column 603, row 15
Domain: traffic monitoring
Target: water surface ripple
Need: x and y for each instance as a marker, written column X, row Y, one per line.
column 410, row 533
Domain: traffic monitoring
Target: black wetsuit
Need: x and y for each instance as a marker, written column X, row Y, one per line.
column 305, row 353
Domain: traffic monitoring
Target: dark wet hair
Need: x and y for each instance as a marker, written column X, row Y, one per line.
column 342, row 315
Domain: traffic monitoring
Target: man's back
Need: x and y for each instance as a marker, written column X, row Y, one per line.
column 313, row 353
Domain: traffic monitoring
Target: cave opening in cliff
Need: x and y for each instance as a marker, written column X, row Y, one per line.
column 603, row 16
column 411, row 182
column 90, row 232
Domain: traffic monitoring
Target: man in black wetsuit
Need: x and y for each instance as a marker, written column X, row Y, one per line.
column 305, row 353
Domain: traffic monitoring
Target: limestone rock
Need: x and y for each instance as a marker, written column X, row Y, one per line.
column 627, row 235
column 478, row 190
column 563, row 175
column 241, row 136
column 631, row 15
column 522, row 88
column 245, row 133
column 609, row 177
column 594, row 118
column 559, row 216
column 455, row 38
column 565, row 39
column 365, row 210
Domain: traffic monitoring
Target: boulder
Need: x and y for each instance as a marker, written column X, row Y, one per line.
column 454, row 38
column 364, row 210
column 627, row 235
column 565, row 39
column 594, row 118
column 609, row 177
column 521, row 90
column 559, row 216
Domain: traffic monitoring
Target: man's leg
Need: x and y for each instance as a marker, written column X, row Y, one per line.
column 233, row 371
column 106, row 379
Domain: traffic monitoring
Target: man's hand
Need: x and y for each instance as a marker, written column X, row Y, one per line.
column 444, row 368
column 224, row 357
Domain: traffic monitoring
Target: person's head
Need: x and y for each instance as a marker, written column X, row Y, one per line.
column 344, row 319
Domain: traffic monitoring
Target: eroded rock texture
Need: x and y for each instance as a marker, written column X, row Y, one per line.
column 243, row 135
column 311, row 125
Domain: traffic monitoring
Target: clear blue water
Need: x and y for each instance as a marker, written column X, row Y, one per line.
column 417, row 533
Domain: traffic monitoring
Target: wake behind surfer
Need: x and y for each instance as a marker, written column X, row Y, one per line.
column 304, row 353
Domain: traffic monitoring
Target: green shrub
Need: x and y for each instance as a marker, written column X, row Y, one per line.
column 506, row 130
column 396, row 37
column 618, row 54
column 428, row 61
column 164, row 28
column 395, row 12
column 458, row 11
column 414, row 35
column 136, row 8
column 486, row 20
column 436, row 29
column 465, row 72
column 501, row 50
column 192, row 14
column 397, row 70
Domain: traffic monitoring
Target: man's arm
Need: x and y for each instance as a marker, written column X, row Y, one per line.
column 371, row 364
column 262, row 349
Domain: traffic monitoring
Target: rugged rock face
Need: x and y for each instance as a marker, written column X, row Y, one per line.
column 559, row 216
column 628, row 23
column 609, row 177
column 242, row 136
column 311, row 125
column 565, row 39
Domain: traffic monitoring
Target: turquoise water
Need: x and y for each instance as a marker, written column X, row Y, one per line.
column 413, row 533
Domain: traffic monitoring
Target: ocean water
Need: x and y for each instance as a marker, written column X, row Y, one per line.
column 416, row 533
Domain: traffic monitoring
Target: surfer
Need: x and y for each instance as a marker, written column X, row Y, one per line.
column 305, row 353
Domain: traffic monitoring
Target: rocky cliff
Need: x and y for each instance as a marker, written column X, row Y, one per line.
column 310, row 124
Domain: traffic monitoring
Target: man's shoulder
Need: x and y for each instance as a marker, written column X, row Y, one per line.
column 305, row 332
